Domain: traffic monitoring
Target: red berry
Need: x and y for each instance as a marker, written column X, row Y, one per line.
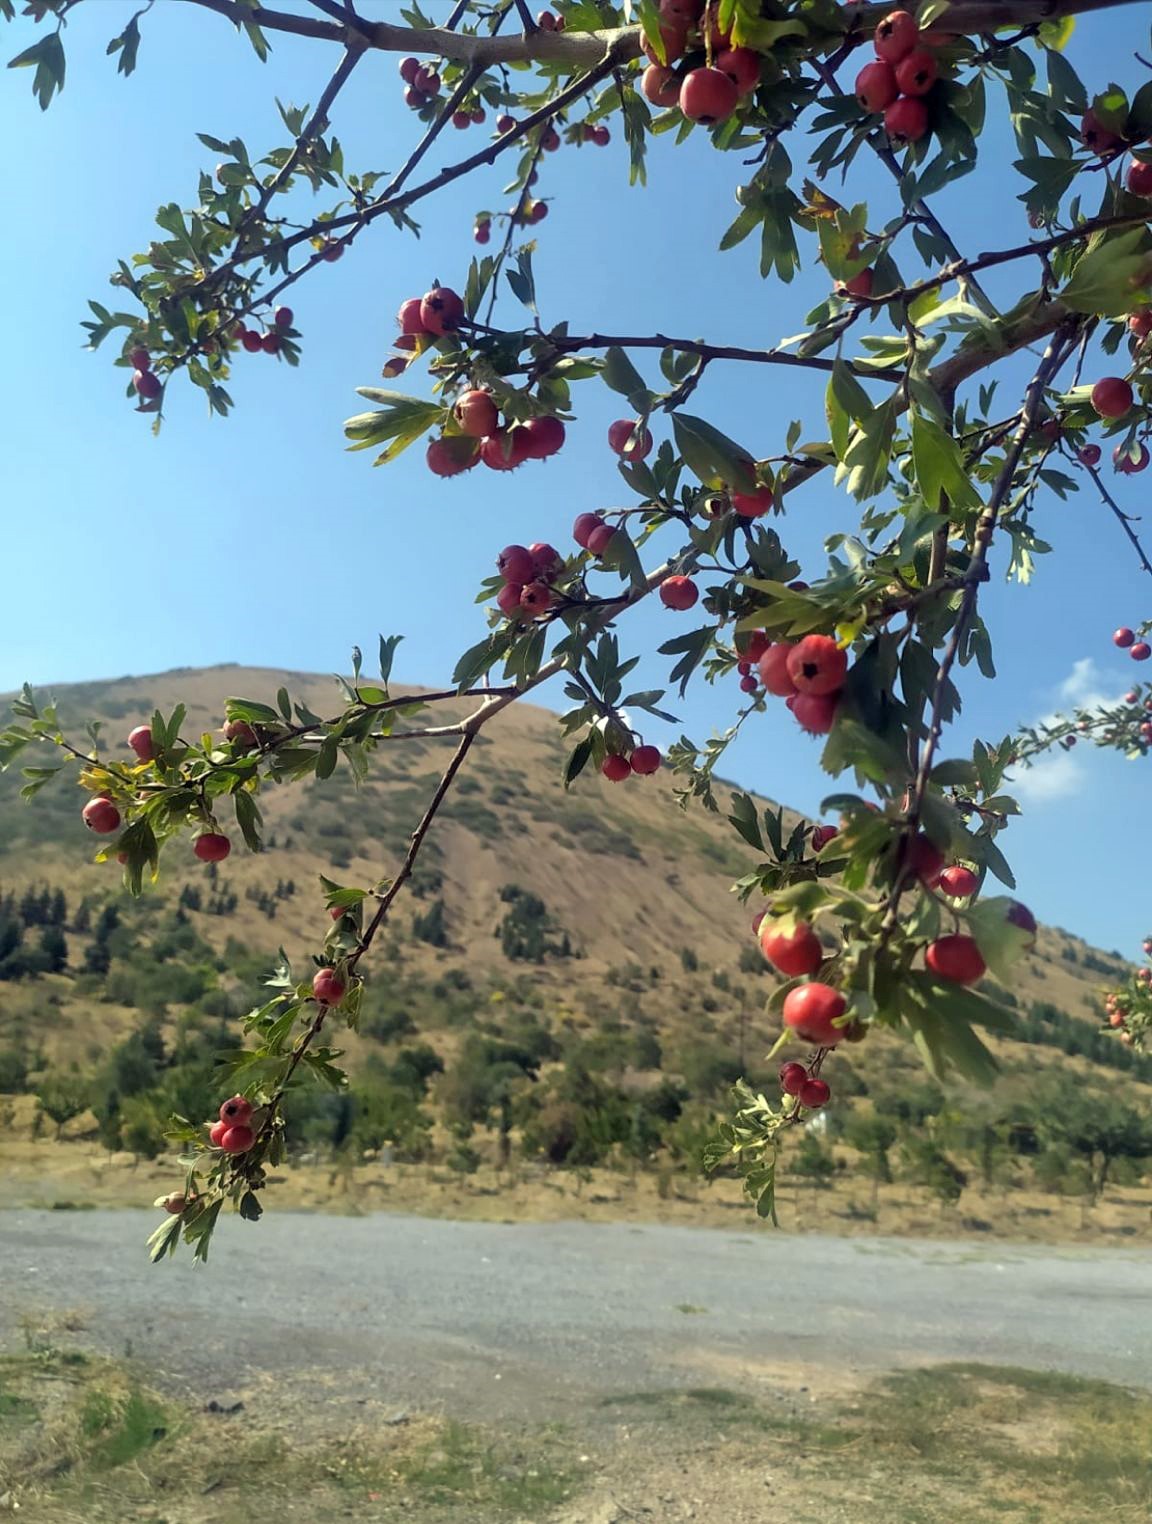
column 505, row 123
column 1123, row 637
column 1132, row 697
column 140, row 740
column 409, row 317
column 451, row 454
column 586, row 524
column 754, row 645
column 1140, row 323
column 252, row 342
column 814, row 1093
column 1140, row 651
column 961, row 883
column 793, row 952
column 1089, row 455
column 876, row 86
column 810, row 1011
column 270, row 343
column 744, row 668
column 237, row 1111
column 536, row 598
column 1130, row 465
column 917, row 72
column 544, row 436
column 240, row 733
column 749, row 685
column 752, row 505
column 216, row 1133
column 674, row 35
column 504, row 450
column 514, row 563
column 792, row 1076
column 645, row 760
column 509, row 598
column 176, row 1202
column 547, row 562
column 601, row 136
column 925, row 860
column 333, row 250
column 817, row 665
column 101, row 816
column 409, row 68
column 616, row 768
column 538, row 211
column 678, row 593
column 955, row 958
column 906, row 120
column 139, row 358
column 859, row 285
column 546, row 21
column 814, row 712
column 549, row 139
column 822, row 835
column 742, row 67
column 476, row 414
column 600, row 539
column 896, row 36
column 482, row 232
column 283, row 316
column 660, row 85
column 1112, row 397
column 461, row 119
column 629, row 439
column 441, row 310
column 237, row 1140
column 415, row 99
column 211, row 847
column 1097, row 139
column 148, row 385
column 328, row 987
column 426, row 80
column 708, row 96
column 773, row 667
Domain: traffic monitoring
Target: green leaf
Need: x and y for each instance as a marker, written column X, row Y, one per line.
column 248, row 819
column 745, row 818
column 845, row 402
column 388, row 645
column 327, row 757
column 578, row 760
column 622, row 376
column 401, row 420
column 939, row 464
column 47, row 57
column 717, row 460
column 1103, row 280
column 954, row 774
column 865, row 464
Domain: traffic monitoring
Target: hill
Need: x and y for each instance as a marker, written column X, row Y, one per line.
column 570, row 975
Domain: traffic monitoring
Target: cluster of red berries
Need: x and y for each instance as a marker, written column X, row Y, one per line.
column 269, row 341
column 641, row 760
column 102, row 817
column 809, row 1089
column 482, row 437
column 530, row 573
column 1125, row 639
column 232, row 1133
column 146, row 382
column 423, row 84
column 707, row 93
column 896, row 84
column 1128, row 460
column 807, row 674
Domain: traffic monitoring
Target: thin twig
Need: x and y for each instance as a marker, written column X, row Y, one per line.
column 1124, row 519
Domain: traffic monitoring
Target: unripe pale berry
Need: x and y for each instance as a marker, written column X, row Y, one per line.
column 955, row 958
column 629, row 439
column 101, row 816
column 678, row 593
column 876, row 86
column 645, row 760
column 616, row 768
column 1112, row 397
column 817, row 665
column 328, row 987
column 906, row 120
column 600, row 539
column 211, row 847
column 237, row 1140
column 811, row 1010
column 708, row 96
column 140, row 740
column 237, row 1111
column 441, row 310
column 476, row 414
column 896, row 36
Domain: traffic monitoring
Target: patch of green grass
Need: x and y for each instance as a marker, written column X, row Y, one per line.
column 14, row 1409
column 118, row 1429
column 462, row 1467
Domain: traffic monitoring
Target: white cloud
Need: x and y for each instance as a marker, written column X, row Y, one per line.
column 1059, row 774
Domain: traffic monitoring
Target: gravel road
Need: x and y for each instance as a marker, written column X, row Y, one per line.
column 497, row 1320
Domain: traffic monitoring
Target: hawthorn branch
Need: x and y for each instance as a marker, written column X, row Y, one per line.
column 1124, row 519
column 710, row 352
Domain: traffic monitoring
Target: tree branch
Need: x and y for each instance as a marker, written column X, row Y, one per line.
column 717, row 352
column 1125, row 519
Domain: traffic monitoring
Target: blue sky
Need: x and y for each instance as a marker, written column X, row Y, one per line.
column 260, row 540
